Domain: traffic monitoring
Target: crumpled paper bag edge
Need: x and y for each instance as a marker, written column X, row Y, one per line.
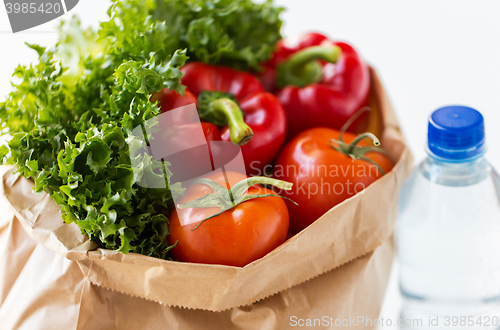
column 228, row 308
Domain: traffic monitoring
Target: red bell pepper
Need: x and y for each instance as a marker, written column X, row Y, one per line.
column 233, row 106
column 319, row 82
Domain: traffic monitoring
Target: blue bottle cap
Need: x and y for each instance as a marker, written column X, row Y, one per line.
column 456, row 134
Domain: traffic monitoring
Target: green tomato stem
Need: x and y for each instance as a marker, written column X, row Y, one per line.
column 360, row 137
column 228, row 199
column 242, row 186
column 357, row 152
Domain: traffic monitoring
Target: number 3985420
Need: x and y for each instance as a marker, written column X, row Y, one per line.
column 26, row 7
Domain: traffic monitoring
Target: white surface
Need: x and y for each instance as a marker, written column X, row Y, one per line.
column 428, row 54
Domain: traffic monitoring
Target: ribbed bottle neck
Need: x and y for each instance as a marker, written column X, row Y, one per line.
column 455, row 174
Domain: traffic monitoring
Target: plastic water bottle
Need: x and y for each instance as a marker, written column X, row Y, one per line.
column 448, row 232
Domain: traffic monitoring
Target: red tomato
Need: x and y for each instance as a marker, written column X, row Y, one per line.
column 321, row 176
column 237, row 236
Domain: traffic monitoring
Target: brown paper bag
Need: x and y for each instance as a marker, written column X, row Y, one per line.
column 335, row 270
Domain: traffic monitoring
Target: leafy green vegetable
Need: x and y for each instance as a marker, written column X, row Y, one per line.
column 71, row 115
column 236, row 33
column 70, row 128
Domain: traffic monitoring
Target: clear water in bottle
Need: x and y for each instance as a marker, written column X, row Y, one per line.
column 448, row 231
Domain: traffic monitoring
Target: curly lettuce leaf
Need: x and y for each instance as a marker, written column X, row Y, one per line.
column 70, row 137
column 235, row 33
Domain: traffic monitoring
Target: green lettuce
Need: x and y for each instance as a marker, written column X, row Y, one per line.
column 70, row 122
column 71, row 115
column 236, row 33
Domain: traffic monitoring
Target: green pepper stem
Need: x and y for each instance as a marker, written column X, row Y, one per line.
column 303, row 68
column 313, row 53
column 229, row 112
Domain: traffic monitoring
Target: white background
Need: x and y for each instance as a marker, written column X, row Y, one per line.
column 428, row 54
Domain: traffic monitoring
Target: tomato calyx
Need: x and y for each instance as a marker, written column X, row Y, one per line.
column 223, row 109
column 227, row 199
column 302, row 68
column 354, row 150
